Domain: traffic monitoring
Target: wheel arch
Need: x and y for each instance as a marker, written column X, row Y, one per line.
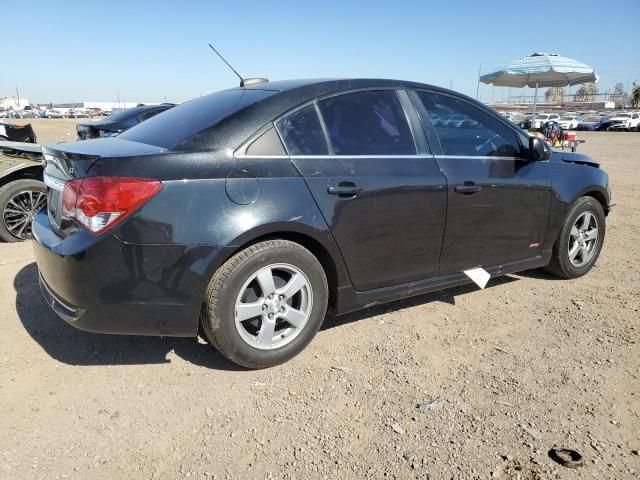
column 30, row 172
column 598, row 193
column 314, row 241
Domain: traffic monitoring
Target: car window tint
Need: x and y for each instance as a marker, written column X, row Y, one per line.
column 178, row 124
column 466, row 130
column 367, row 123
column 267, row 144
column 302, row 133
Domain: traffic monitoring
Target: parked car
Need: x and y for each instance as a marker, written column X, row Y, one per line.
column 255, row 210
column 594, row 123
column 569, row 122
column 53, row 113
column 22, row 192
column 26, row 113
column 120, row 121
column 625, row 122
column 77, row 113
column 10, row 132
column 541, row 119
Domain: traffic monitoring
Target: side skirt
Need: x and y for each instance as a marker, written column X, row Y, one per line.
column 350, row 300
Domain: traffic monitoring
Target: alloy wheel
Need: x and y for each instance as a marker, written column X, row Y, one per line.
column 583, row 239
column 20, row 210
column 273, row 306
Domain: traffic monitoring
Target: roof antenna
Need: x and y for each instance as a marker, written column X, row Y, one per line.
column 243, row 81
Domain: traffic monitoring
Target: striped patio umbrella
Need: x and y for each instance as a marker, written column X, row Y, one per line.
column 541, row 70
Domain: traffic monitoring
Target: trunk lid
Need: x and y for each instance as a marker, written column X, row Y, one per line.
column 73, row 160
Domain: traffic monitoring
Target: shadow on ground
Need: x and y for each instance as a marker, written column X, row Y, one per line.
column 75, row 347
column 447, row 296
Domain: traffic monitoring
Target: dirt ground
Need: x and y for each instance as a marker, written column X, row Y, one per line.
column 527, row 364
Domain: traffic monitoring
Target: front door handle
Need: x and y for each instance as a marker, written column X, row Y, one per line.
column 345, row 189
column 469, row 188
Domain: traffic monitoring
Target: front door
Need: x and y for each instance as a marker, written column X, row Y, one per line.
column 498, row 201
column 384, row 202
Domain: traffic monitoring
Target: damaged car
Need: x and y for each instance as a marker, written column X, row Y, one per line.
column 120, row 121
column 22, row 192
column 250, row 213
column 10, row 132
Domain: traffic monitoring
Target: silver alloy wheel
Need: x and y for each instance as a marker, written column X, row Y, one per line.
column 20, row 210
column 273, row 306
column 583, row 239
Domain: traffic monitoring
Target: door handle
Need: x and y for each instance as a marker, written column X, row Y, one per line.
column 345, row 189
column 469, row 188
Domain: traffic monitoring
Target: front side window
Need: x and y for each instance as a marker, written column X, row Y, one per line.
column 367, row 123
column 302, row 133
column 466, row 130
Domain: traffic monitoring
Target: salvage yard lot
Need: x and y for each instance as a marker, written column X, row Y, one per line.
column 530, row 363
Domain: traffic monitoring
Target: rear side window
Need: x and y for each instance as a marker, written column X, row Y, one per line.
column 466, row 130
column 367, row 123
column 178, row 124
column 302, row 133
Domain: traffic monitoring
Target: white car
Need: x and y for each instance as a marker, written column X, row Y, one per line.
column 52, row 113
column 625, row 121
column 541, row 119
column 569, row 122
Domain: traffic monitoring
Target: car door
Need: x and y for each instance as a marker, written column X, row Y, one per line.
column 383, row 197
column 498, row 200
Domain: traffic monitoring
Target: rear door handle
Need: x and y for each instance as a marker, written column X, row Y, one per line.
column 347, row 190
column 467, row 188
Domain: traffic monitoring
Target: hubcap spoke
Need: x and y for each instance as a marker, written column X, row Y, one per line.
column 293, row 286
column 265, row 335
column 245, row 311
column 586, row 220
column 295, row 317
column 265, row 280
column 574, row 251
column 575, row 232
column 591, row 234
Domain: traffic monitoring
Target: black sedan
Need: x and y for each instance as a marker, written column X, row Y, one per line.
column 120, row 121
column 253, row 211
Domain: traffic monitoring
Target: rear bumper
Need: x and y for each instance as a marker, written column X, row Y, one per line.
column 100, row 284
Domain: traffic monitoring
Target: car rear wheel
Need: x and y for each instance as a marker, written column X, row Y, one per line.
column 19, row 202
column 265, row 304
column 580, row 239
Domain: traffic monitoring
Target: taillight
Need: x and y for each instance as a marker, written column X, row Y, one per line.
column 99, row 203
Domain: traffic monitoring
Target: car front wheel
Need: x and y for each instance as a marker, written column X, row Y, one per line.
column 580, row 239
column 265, row 304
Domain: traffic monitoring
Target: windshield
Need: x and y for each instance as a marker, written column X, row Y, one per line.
column 592, row 118
column 567, row 117
column 173, row 127
column 122, row 114
column 624, row 115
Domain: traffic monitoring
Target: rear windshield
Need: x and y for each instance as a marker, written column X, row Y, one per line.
column 172, row 128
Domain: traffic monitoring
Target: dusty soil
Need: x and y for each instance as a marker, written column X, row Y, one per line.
column 527, row 364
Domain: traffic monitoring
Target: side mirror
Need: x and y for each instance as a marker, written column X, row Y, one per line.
column 538, row 149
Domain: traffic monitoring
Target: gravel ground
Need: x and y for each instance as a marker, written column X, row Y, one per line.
column 527, row 364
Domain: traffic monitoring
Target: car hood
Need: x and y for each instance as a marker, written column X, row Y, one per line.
column 102, row 147
column 561, row 156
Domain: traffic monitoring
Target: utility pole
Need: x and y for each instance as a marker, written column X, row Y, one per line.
column 478, row 86
column 17, row 97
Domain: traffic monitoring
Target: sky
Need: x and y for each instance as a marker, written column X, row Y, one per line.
column 152, row 51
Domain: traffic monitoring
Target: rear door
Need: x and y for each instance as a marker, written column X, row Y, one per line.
column 382, row 194
column 498, row 201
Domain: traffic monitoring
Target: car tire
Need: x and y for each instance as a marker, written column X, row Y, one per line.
column 265, row 337
column 8, row 193
column 575, row 251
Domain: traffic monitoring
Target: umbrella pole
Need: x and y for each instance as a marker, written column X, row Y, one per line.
column 535, row 101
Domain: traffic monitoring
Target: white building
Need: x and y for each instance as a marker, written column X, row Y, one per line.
column 13, row 103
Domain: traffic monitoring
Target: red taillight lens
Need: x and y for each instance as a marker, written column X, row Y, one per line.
column 98, row 203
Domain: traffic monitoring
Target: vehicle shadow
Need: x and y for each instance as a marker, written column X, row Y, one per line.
column 75, row 347
column 448, row 296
